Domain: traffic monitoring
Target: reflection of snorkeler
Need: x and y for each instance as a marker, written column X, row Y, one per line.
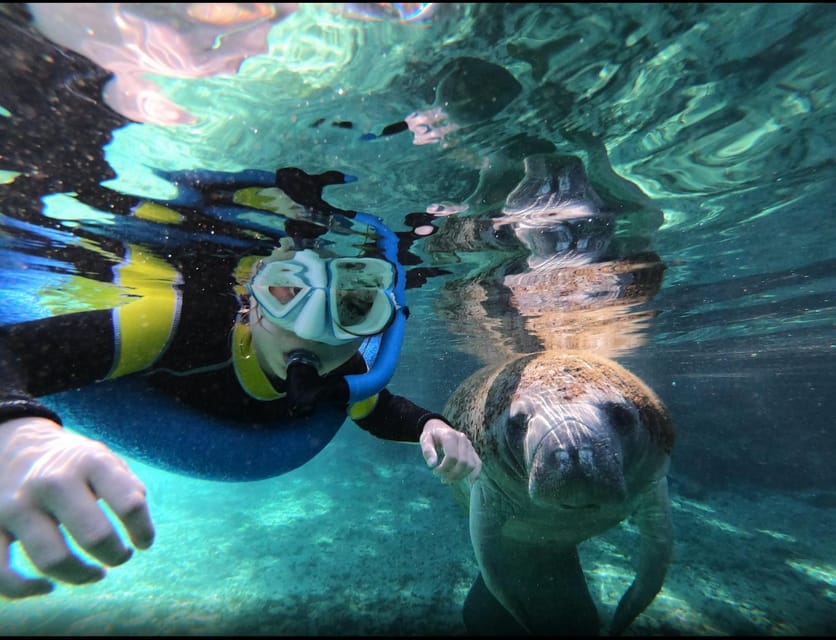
column 288, row 354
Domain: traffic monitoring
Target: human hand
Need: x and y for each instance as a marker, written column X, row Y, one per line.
column 51, row 477
column 460, row 458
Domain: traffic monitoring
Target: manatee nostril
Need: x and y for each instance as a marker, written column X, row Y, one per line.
column 585, row 458
column 574, row 454
column 574, row 461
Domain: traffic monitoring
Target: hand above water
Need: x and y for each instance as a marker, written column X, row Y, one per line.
column 51, row 477
column 460, row 458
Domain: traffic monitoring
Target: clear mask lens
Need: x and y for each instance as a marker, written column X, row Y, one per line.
column 361, row 302
column 281, row 287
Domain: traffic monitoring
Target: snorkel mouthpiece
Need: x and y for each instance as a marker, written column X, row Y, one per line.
column 304, row 387
column 302, row 356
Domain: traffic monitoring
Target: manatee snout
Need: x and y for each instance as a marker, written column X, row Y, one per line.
column 576, row 466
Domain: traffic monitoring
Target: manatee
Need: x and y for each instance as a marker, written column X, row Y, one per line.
column 571, row 444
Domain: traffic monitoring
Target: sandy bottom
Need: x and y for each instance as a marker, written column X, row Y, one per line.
column 365, row 540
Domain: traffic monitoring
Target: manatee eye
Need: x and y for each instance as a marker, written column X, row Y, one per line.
column 622, row 417
column 518, row 422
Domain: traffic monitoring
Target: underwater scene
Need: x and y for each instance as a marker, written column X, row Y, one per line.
column 610, row 250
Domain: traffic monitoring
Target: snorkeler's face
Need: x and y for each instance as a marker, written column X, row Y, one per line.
column 284, row 294
column 273, row 344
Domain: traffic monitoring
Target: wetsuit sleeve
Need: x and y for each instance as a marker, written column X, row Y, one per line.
column 54, row 354
column 22, row 406
column 396, row 418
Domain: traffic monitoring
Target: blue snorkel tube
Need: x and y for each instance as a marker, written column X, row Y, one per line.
column 365, row 385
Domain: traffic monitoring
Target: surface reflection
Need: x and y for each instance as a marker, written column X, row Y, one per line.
column 556, row 278
column 178, row 40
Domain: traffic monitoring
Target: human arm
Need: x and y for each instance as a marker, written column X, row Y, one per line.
column 386, row 416
column 51, row 477
column 447, row 451
column 53, row 354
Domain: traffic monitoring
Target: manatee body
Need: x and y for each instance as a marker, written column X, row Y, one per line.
column 571, row 445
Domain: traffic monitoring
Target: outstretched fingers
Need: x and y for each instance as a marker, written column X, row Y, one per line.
column 12, row 583
column 53, row 486
column 77, row 508
column 47, row 548
column 125, row 495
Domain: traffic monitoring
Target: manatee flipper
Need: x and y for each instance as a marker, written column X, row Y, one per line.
column 653, row 519
column 542, row 585
column 488, row 514
column 484, row 615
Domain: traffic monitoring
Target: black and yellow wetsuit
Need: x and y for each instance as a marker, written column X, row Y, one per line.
column 183, row 337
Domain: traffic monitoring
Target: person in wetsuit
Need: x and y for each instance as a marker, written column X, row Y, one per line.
column 294, row 340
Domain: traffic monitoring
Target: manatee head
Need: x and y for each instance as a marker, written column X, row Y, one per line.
column 582, row 433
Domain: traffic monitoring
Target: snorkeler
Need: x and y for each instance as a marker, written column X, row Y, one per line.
column 293, row 356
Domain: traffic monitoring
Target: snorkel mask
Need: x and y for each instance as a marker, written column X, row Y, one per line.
column 334, row 301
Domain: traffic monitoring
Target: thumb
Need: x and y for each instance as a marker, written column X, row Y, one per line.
column 428, row 447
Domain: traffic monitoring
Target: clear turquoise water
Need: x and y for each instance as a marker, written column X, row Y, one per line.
column 721, row 117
